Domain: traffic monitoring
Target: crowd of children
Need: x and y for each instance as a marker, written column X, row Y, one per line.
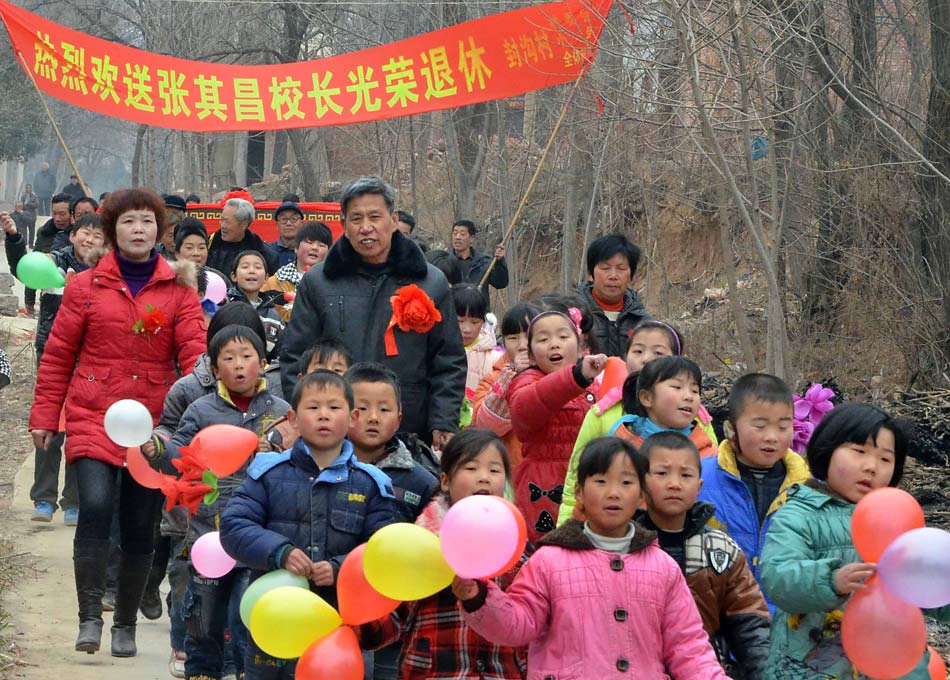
column 654, row 549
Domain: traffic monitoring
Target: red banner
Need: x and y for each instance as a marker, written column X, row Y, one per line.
column 264, row 225
column 502, row 55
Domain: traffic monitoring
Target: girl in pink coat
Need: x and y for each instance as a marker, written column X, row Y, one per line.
column 548, row 402
column 599, row 599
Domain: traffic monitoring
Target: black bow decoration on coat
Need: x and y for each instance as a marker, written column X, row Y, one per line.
column 545, row 522
column 554, row 494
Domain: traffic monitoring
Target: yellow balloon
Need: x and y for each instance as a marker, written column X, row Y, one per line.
column 287, row 620
column 404, row 562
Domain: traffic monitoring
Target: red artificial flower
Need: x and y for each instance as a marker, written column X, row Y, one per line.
column 151, row 323
column 413, row 311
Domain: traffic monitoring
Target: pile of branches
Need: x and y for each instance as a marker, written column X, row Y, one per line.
column 929, row 410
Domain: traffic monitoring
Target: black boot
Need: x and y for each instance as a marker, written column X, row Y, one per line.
column 151, row 606
column 89, row 564
column 133, row 574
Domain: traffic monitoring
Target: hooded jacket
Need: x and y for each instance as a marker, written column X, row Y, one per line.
column 413, row 485
column 342, row 298
column 611, row 336
column 95, row 358
column 588, row 613
column 728, row 597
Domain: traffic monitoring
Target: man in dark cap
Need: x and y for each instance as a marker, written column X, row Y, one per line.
column 174, row 213
column 289, row 219
column 74, row 189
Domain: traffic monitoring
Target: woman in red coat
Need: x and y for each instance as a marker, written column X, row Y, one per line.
column 118, row 334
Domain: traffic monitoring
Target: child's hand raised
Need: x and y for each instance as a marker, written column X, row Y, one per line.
column 321, row 573
column 852, row 577
column 464, row 589
column 592, row 365
column 521, row 361
column 263, row 444
column 298, row 563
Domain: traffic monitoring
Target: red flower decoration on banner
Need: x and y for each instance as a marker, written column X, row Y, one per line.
column 413, row 311
column 151, row 323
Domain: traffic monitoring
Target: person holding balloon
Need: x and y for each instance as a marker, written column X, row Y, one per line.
column 304, row 510
column 121, row 329
column 436, row 640
column 810, row 568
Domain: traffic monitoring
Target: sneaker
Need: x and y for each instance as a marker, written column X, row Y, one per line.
column 42, row 512
column 176, row 664
column 71, row 517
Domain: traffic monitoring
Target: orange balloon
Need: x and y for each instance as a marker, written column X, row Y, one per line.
column 522, row 538
column 936, row 667
column 224, row 447
column 335, row 656
column 880, row 517
column 140, row 470
column 884, row 637
column 615, row 372
column 358, row 601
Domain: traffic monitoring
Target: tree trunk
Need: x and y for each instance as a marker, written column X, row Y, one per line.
column 137, row 155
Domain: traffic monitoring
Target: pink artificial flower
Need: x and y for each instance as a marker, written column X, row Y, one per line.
column 815, row 404
column 803, row 430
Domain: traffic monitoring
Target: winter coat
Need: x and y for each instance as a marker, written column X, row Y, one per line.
column 270, row 317
column 481, row 357
column 697, row 435
column 437, row 643
column 30, row 203
column 546, row 413
column 597, row 423
column 474, row 268
column 611, row 336
column 341, row 298
column 221, row 253
column 49, row 237
column 218, row 409
column 735, row 507
column 284, row 281
column 74, row 191
column 94, row 358
column 490, row 407
column 588, row 613
column 286, row 502
column 726, row 593
column 413, row 485
column 44, row 183
column 808, row 541
column 285, row 254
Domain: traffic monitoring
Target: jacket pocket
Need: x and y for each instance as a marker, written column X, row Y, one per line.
column 572, row 672
column 350, row 516
column 89, row 386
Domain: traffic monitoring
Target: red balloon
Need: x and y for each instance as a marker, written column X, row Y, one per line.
column 880, row 517
column 936, row 667
column 358, row 601
column 140, row 470
column 335, row 656
column 615, row 373
column 522, row 538
column 224, row 447
column 884, row 637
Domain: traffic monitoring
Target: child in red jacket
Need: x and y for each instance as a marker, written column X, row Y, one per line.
column 548, row 403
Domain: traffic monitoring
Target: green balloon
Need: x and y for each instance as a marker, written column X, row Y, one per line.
column 38, row 271
column 269, row 581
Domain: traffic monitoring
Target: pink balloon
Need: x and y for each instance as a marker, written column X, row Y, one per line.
column 217, row 288
column 209, row 557
column 479, row 535
column 914, row 567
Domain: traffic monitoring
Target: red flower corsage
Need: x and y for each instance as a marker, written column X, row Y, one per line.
column 414, row 311
column 151, row 323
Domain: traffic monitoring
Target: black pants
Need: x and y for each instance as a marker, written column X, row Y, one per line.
column 44, row 207
column 138, row 506
column 46, row 476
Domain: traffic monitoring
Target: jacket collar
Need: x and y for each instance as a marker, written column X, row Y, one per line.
column 824, row 496
column 397, row 456
column 268, row 298
column 202, row 371
column 796, row 470
column 108, row 267
column 697, row 518
column 222, row 391
column 289, row 273
column 336, row 472
column 405, row 259
column 570, row 535
column 631, row 300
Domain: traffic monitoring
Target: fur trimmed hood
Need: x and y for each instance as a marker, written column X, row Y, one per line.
column 405, row 259
column 186, row 273
column 570, row 535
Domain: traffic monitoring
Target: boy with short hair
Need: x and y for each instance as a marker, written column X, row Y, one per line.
column 306, row 508
column 237, row 358
column 729, row 600
column 327, row 353
column 747, row 480
column 373, row 433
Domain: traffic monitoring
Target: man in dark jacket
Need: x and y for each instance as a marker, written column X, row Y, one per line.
column 473, row 263
column 611, row 264
column 348, row 296
column 44, row 184
column 74, row 189
column 53, row 235
column 235, row 236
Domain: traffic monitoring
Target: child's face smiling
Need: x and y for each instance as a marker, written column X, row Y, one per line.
column 238, row 367
column 484, row 474
column 250, row 274
column 377, row 420
column 672, row 486
column 763, row 432
column 322, row 417
column 611, row 498
column 647, row 345
column 470, row 326
column 855, row 470
column 553, row 343
column 672, row 403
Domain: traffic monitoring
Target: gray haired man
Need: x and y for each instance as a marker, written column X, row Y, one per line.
column 236, row 236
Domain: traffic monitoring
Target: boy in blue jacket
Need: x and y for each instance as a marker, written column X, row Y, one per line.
column 304, row 509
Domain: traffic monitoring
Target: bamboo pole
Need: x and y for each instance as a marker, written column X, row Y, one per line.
column 49, row 114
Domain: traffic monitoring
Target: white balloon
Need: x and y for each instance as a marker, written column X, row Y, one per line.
column 128, row 423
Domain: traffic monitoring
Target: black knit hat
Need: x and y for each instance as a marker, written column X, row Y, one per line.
column 174, row 202
column 190, row 226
